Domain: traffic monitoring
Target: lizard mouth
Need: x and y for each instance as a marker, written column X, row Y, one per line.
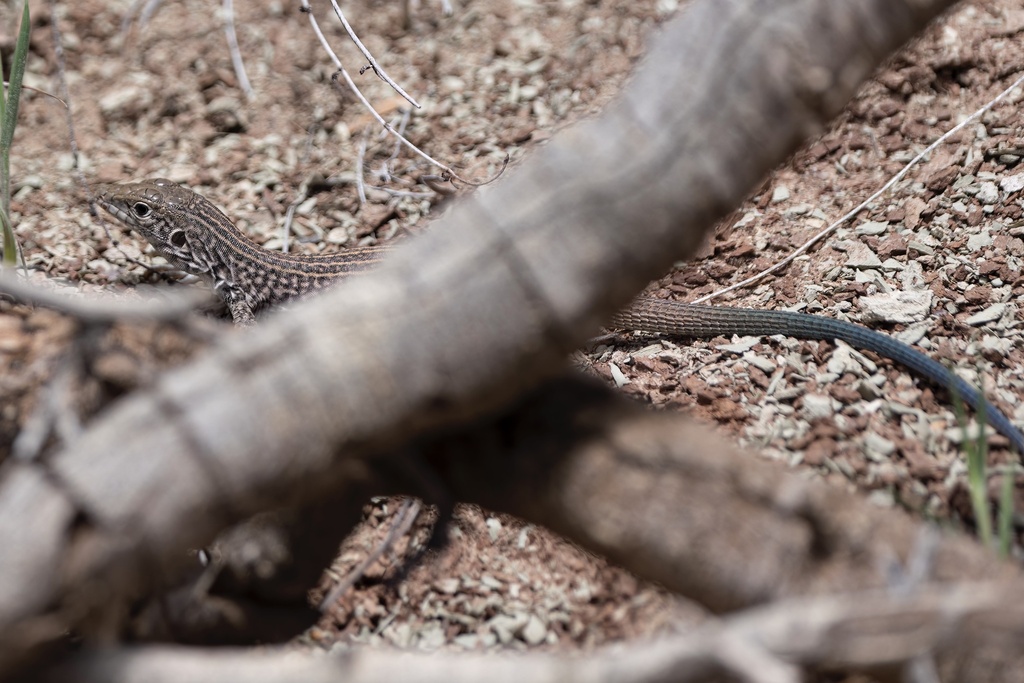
column 113, row 209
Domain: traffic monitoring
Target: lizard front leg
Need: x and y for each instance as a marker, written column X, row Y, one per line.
column 242, row 312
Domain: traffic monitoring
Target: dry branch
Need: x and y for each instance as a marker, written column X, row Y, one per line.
column 463, row 320
column 857, row 631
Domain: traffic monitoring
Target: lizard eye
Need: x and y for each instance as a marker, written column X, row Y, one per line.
column 177, row 238
column 141, row 209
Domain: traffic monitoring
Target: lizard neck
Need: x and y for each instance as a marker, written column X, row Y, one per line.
column 273, row 277
column 242, row 268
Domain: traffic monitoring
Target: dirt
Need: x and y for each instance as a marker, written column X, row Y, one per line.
column 497, row 79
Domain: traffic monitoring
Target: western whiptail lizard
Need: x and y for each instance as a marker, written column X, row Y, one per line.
column 197, row 237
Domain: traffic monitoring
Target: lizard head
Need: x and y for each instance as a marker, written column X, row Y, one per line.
column 164, row 213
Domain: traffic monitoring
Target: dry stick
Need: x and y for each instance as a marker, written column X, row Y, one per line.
column 58, row 50
column 860, row 207
column 377, row 68
column 53, row 412
column 857, row 631
column 407, row 514
column 286, row 229
column 360, row 169
column 403, row 193
column 414, row 5
column 402, row 125
column 236, row 54
column 448, row 171
column 105, row 310
column 211, row 455
column 144, row 16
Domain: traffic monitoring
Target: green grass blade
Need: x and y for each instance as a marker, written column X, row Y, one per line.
column 10, row 246
column 10, row 117
column 1006, row 512
column 8, row 121
column 976, row 452
column 977, row 487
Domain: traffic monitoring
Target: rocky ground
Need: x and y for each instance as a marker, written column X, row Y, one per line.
column 935, row 261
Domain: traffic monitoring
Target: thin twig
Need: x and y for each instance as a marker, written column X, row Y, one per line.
column 860, row 207
column 286, row 229
column 403, row 193
column 144, row 17
column 448, row 171
column 412, row 6
column 377, row 68
column 360, row 168
column 407, row 514
column 402, row 125
column 40, row 92
column 775, row 643
column 106, row 309
column 65, row 98
column 236, row 53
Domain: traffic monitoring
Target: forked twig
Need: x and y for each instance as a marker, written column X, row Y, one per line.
column 377, row 68
column 448, row 172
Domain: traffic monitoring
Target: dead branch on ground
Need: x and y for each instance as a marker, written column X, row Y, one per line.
column 531, row 266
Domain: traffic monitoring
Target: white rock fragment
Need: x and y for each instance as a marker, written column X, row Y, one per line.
column 872, row 227
column 337, row 236
column 505, row 626
column 494, row 528
column 878, row 446
column 759, row 362
column 1012, row 183
column 740, row 346
column 1000, row 345
column 535, row 632
column 748, row 218
column 988, row 193
column 913, row 333
column 859, row 255
column 841, row 362
column 780, row 194
column 979, row 241
column 971, row 430
column 620, row 379
column 904, row 306
column 431, row 637
column 817, row 406
column 467, row 641
column 124, row 101
column 989, row 315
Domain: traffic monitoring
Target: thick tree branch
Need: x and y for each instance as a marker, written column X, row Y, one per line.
column 484, row 306
column 858, row 631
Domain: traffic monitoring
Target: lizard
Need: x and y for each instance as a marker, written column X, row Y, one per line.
column 197, row 237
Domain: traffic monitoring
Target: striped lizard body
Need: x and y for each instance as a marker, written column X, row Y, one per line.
column 197, row 237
